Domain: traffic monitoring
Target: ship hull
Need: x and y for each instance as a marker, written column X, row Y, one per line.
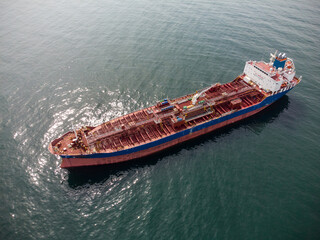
column 169, row 141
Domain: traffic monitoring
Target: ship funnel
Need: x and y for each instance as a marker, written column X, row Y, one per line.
column 280, row 61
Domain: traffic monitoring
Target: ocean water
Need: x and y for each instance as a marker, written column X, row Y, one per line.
column 85, row 62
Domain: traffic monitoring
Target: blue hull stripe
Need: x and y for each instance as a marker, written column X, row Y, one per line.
column 265, row 102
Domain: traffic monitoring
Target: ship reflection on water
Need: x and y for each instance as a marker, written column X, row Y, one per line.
column 96, row 174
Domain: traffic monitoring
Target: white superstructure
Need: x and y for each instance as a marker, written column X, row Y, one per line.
column 270, row 76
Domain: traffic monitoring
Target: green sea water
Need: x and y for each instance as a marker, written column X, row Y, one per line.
column 86, row 62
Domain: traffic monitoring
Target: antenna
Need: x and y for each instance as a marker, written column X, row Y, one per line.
column 273, row 56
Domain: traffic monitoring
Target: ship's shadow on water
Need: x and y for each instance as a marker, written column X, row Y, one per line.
column 78, row 177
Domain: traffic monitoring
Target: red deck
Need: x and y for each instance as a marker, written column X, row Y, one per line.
column 156, row 122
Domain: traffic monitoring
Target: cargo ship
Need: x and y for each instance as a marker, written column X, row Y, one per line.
column 173, row 121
